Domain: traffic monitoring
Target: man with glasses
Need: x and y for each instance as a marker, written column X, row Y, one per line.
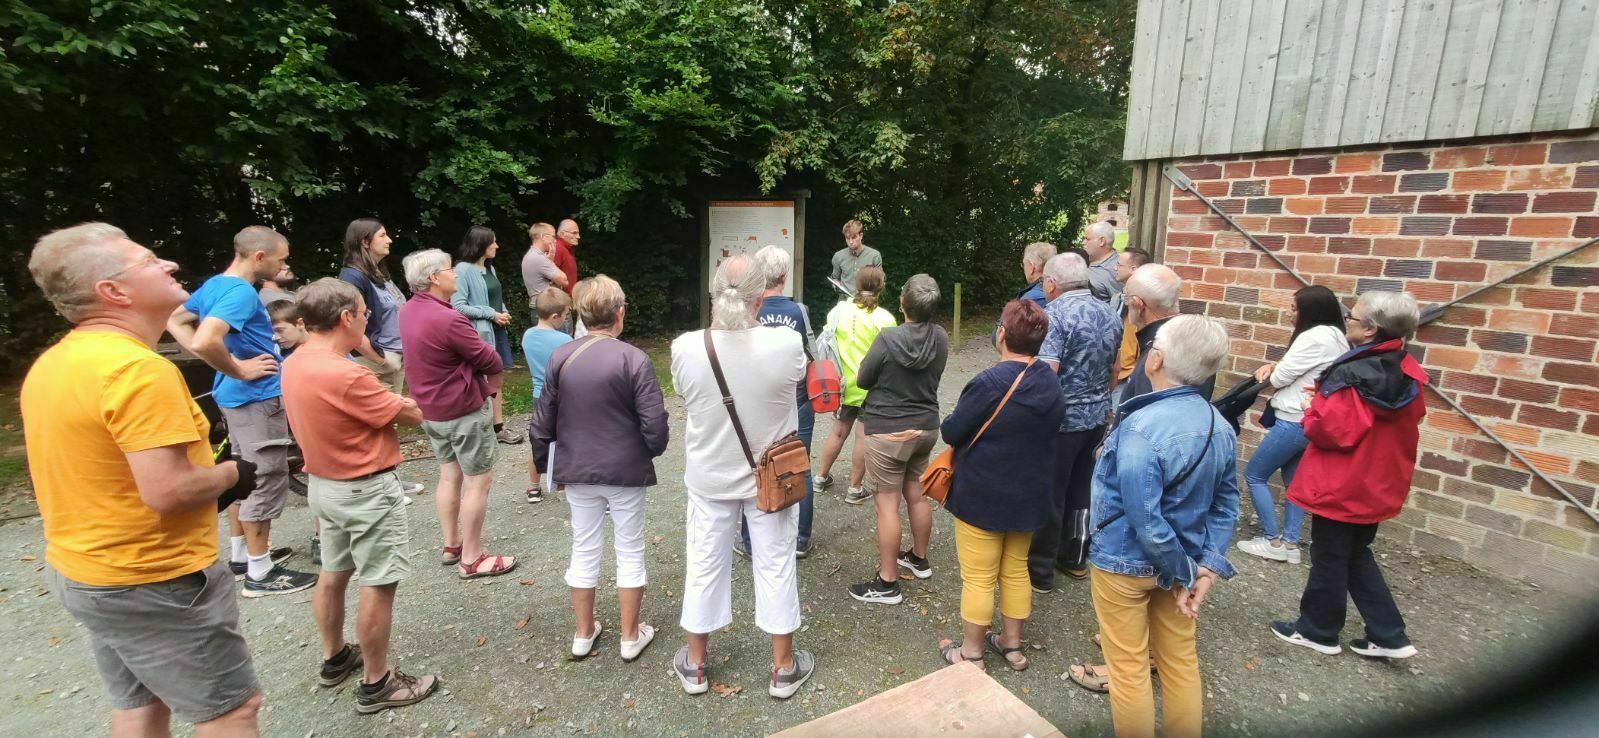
column 128, row 492
column 225, row 324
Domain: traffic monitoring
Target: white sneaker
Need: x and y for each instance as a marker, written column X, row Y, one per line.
column 1372, row 650
column 408, row 500
column 582, row 647
column 1262, row 548
column 632, row 649
column 1292, row 553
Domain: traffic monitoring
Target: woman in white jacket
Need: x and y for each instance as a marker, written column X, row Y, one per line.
column 1317, row 340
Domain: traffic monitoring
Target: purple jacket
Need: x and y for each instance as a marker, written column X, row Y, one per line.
column 607, row 413
column 446, row 362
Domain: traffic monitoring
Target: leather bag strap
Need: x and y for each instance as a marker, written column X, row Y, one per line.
column 1003, row 400
column 578, row 352
column 727, row 398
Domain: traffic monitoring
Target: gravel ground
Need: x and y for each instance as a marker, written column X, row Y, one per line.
column 506, row 677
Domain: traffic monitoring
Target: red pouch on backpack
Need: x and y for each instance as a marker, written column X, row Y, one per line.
column 823, row 385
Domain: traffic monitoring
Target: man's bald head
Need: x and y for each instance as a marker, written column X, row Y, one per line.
column 1157, row 286
column 568, row 232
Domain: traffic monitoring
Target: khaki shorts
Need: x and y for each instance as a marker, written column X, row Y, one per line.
column 176, row 641
column 259, row 432
column 893, row 457
column 390, row 372
column 364, row 527
column 468, row 440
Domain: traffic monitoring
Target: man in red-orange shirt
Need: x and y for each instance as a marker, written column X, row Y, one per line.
column 567, row 237
column 344, row 420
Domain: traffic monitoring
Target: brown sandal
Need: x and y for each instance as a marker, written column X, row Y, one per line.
column 1089, row 677
column 991, row 639
column 497, row 565
column 452, row 556
column 951, row 651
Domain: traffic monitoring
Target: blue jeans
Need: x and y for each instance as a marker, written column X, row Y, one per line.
column 807, row 506
column 1280, row 449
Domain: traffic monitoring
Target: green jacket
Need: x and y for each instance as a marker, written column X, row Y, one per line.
column 854, row 329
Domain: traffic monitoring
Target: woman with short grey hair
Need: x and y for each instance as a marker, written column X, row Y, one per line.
column 420, row 266
column 901, row 371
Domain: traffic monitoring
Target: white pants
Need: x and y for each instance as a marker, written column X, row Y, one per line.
column 587, row 502
column 708, row 584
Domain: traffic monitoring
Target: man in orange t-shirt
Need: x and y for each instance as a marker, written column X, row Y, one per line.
column 129, row 494
column 344, row 420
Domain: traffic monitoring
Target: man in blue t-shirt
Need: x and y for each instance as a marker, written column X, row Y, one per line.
column 225, row 324
column 783, row 312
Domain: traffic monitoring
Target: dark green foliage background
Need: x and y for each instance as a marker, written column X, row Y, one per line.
column 958, row 129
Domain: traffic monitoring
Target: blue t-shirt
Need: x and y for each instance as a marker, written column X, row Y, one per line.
column 537, row 346
column 234, row 301
column 783, row 312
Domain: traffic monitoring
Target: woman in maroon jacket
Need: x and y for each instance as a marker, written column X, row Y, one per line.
column 1362, row 425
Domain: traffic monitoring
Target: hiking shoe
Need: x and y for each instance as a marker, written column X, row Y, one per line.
column 508, row 436
column 1365, row 647
column 316, row 550
column 695, row 679
column 802, row 550
column 398, row 689
column 279, row 555
column 535, row 494
column 280, row 581
column 822, row 481
column 876, row 590
column 1285, row 631
column 341, row 666
column 916, row 564
column 741, row 548
column 786, row 683
column 856, row 495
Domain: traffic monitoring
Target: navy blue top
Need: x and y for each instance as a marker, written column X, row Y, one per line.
column 1003, row 482
column 783, row 312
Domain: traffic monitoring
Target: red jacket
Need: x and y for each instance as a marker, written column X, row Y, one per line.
column 1362, row 427
column 566, row 261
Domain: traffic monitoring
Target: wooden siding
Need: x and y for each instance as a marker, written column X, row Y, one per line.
column 1237, row 76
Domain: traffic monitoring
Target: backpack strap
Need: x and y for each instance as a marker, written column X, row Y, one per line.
column 727, row 398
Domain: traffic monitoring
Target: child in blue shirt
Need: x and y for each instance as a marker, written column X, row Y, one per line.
column 538, row 343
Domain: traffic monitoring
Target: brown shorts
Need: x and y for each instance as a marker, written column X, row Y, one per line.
column 892, row 458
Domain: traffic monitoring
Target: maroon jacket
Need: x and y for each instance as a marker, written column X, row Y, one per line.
column 446, row 362
column 1363, row 426
column 606, row 412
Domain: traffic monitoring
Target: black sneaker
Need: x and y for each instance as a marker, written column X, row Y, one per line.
column 1286, row 631
column 335, row 671
column 802, row 550
column 876, row 590
column 279, row 581
column 916, row 564
column 279, row 555
column 1368, row 649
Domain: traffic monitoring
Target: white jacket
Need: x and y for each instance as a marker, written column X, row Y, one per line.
column 1310, row 355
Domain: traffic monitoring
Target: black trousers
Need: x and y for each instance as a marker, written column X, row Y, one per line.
column 1342, row 567
column 1063, row 541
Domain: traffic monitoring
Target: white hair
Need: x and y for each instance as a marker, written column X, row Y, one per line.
column 738, row 284
column 67, row 263
column 421, row 265
column 1101, row 229
column 1067, row 271
column 1157, row 285
column 1192, row 348
column 1393, row 314
column 1038, row 254
column 774, row 263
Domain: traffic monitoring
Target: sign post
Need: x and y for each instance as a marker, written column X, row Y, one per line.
column 744, row 225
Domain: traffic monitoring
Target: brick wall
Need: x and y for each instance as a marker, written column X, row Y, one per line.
column 1437, row 220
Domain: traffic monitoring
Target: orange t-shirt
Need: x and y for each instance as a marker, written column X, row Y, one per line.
column 87, row 402
column 340, row 414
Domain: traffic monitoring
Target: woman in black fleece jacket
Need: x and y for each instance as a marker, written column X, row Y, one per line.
column 902, row 369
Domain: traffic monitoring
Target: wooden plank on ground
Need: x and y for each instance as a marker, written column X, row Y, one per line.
column 956, row 700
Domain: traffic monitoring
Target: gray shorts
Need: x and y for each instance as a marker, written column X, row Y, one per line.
column 259, row 432
column 468, row 440
column 177, row 641
column 364, row 527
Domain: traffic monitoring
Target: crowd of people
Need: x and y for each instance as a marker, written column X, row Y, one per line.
column 1089, row 449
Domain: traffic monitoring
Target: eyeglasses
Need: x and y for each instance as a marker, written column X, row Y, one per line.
column 149, row 261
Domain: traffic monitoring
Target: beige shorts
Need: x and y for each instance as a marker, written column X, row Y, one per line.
column 364, row 527
column 468, row 440
column 891, row 458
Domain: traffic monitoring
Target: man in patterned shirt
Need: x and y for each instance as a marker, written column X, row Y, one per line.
column 1081, row 345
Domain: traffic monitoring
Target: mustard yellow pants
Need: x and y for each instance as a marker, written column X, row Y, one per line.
column 1135, row 615
column 988, row 558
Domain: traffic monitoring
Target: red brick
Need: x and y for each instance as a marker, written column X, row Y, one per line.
column 1201, row 171
column 1329, row 225
column 1190, row 240
column 1328, row 185
column 1585, row 227
column 1445, row 335
column 1513, row 366
column 1395, row 247
column 1314, row 264
column 1478, row 448
column 1349, row 246
column 1500, row 202
column 1286, row 186
column 1541, row 226
column 1345, row 205
column 1188, row 206
column 1240, row 259
column 1238, row 169
column 1538, row 392
column 1571, row 349
column 1564, row 202
column 1581, row 326
column 1306, row 165
column 1212, row 188
column 1481, row 226
column 1188, row 272
column 1586, row 177
column 1206, row 290
column 1375, row 226
column 1459, row 158
column 1371, row 184
column 1585, row 400
column 1392, row 205
column 1546, row 299
column 1470, row 317
column 1444, row 248
column 1360, row 267
column 1272, row 167
column 1287, row 225
column 1538, row 178
column 1230, row 206
column 1501, row 341
column 1524, row 321
column 1430, row 291
column 1586, row 375
column 1461, row 271
column 1307, row 244
column 1453, row 358
column 1491, row 180
column 1518, row 155
column 1467, row 381
column 1303, row 205
column 1545, row 417
column 1443, row 203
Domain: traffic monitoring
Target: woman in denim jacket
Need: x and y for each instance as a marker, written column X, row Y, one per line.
column 1165, row 504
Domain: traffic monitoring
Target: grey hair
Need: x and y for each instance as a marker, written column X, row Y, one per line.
column 1067, row 271
column 67, row 263
column 421, row 265
column 734, row 291
column 1192, row 348
column 774, row 263
column 1393, row 314
column 1101, row 229
column 1157, row 285
column 599, row 301
column 919, row 296
column 1038, row 254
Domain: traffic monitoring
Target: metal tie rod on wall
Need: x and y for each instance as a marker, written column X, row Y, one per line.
column 1430, row 314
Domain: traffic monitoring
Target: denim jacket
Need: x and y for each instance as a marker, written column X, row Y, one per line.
column 1141, row 531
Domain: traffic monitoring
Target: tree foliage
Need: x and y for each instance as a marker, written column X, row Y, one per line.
column 958, row 129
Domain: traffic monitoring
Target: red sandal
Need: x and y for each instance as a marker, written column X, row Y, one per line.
column 499, row 565
column 452, row 556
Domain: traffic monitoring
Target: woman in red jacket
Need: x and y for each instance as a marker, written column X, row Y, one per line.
column 1362, row 425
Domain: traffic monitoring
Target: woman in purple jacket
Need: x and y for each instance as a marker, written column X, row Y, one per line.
column 602, row 402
